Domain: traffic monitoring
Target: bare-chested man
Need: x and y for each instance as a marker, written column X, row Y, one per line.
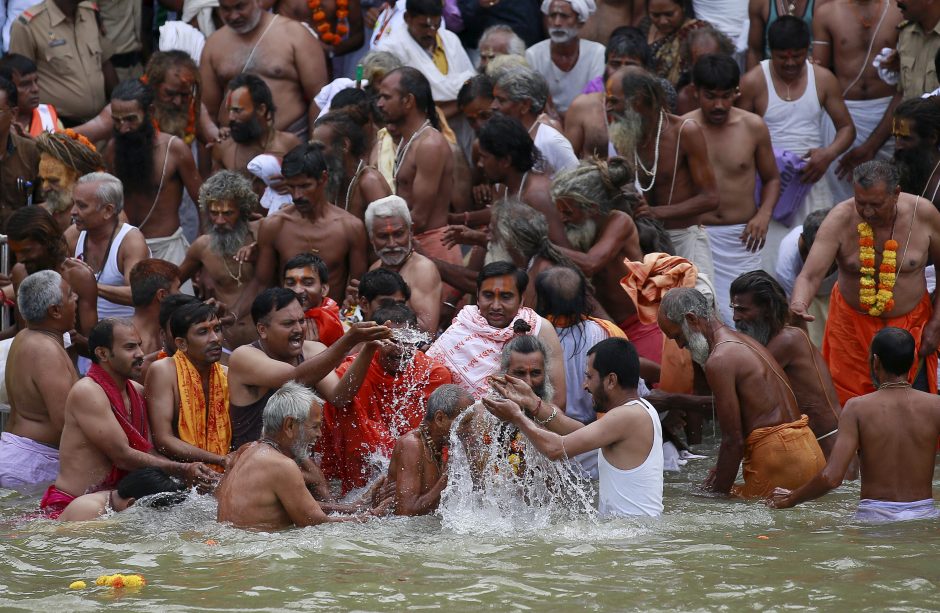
column 601, row 238
column 845, row 42
column 901, row 231
column 29, row 446
column 251, row 119
column 264, row 487
column 916, row 132
column 895, row 429
column 759, row 418
column 739, row 151
column 417, row 467
column 152, row 281
column 424, row 167
column 311, row 224
column 227, row 202
column 154, row 167
column 674, row 176
column 106, row 433
column 388, row 223
column 610, row 15
column 283, row 52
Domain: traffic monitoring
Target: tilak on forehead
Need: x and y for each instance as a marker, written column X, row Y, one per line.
column 900, row 126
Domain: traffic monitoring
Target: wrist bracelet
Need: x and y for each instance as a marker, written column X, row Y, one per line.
column 550, row 417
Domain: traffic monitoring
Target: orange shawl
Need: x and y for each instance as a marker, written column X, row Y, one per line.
column 329, row 325
column 612, row 329
column 207, row 428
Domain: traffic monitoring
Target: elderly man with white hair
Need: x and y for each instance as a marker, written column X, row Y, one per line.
column 567, row 61
column 498, row 40
column 388, row 223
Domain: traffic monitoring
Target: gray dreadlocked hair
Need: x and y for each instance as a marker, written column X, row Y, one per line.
column 596, row 185
column 523, row 228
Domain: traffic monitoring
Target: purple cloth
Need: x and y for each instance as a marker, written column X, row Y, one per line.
column 792, row 190
column 452, row 16
column 23, row 461
column 594, row 85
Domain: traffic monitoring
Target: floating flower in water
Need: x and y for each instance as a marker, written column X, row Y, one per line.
column 120, row 580
column 77, row 585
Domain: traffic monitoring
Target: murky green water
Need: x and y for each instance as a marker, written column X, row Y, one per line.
column 704, row 554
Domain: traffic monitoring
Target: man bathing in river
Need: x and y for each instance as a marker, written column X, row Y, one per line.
column 137, row 484
column 895, row 431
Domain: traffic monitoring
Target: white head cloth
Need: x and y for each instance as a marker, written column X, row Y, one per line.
column 179, row 36
column 584, row 8
column 266, row 167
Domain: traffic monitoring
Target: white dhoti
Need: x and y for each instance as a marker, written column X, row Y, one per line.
column 818, row 198
column 866, row 114
column 172, row 249
column 692, row 244
column 730, row 259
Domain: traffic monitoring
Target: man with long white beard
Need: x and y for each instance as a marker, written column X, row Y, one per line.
column 388, row 223
column 227, row 200
column 756, row 409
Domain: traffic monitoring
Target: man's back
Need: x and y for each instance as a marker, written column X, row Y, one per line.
column 245, row 495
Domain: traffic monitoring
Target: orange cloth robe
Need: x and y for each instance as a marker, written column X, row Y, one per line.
column 847, row 343
column 329, row 325
column 786, row 455
column 207, row 428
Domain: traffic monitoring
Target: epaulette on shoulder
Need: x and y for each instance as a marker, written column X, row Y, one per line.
column 31, row 13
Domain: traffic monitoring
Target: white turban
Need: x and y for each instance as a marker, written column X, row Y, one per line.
column 584, row 8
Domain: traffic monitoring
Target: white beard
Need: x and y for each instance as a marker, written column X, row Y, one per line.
column 581, row 236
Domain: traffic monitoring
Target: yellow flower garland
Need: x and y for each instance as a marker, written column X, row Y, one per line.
column 880, row 300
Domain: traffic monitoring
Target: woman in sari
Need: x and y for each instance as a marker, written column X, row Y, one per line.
column 667, row 25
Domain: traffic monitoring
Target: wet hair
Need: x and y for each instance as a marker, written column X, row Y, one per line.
column 502, row 269
column 653, row 236
column 171, row 303
column 308, row 159
column 523, row 83
column 646, row 88
column 187, row 315
column 150, row 276
column 477, row 86
column 376, row 65
column 680, row 301
column 618, row 356
column 258, row 91
column 35, row 223
column 561, row 292
column 346, row 127
column 160, row 489
column 13, row 64
column 382, row 282
column 397, row 313
column 430, row 8
column 110, row 189
column 315, row 262
column 71, row 152
column 271, row 300
column 716, row 71
column 524, row 344
column 627, row 41
column 446, row 399
column 516, row 44
column 874, row 172
column 924, row 112
column 132, row 90
column 291, row 400
column 895, row 348
column 525, row 229
column 102, row 335
column 162, row 62
column 38, row 293
column 596, row 185
column 356, row 104
column 503, row 136
column 767, row 293
column 7, row 87
column 788, row 32
column 389, row 206
column 228, row 185
column 811, row 226
column 412, row 81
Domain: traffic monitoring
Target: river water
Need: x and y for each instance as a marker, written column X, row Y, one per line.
column 703, row 554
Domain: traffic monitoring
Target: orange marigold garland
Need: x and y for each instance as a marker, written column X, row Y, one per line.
column 880, row 300
column 81, row 139
column 190, row 134
column 322, row 25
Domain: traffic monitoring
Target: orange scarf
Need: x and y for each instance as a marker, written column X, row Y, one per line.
column 612, row 329
column 329, row 325
column 209, row 429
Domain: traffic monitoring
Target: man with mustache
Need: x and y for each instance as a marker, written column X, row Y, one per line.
column 306, row 275
column 155, row 168
column 227, row 202
column 283, row 52
column 29, row 446
column 916, row 130
column 739, row 151
column 106, row 432
column 152, row 283
column 63, row 158
column 759, row 418
column 566, row 61
column 32, row 116
column 388, row 223
column 187, row 393
column 251, row 113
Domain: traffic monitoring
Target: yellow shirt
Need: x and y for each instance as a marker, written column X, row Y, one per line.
column 439, row 57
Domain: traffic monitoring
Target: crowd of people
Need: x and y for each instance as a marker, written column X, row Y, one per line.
column 276, row 250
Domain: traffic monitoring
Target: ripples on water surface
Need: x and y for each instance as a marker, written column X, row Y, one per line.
column 703, row 554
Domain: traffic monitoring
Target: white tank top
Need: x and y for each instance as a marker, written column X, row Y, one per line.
column 638, row 491
column 795, row 125
column 110, row 274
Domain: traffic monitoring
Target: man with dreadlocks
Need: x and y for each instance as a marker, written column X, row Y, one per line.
column 916, row 139
column 761, row 310
column 63, row 158
column 591, row 201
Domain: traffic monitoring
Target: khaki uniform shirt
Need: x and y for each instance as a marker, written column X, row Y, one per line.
column 916, row 51
column 121, row 22
column 20, row 161
column 69, row 56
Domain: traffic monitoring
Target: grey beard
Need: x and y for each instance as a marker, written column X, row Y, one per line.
column 562, row 35
column 625, row 131
column 758, row 330
column 228, row 243
column 393, row 256
column 58, row 201
column 545, row 391
column 497, row 252
column 581, row 236
column 697, row 344
column 301, row 449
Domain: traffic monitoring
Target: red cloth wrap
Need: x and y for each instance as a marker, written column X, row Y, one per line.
column 329, row 325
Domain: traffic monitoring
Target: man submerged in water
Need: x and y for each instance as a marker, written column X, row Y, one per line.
column 137, row 484
column 897, row 428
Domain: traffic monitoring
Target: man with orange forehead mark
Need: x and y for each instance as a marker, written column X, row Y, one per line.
column 63, row 158
column 883, row 230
